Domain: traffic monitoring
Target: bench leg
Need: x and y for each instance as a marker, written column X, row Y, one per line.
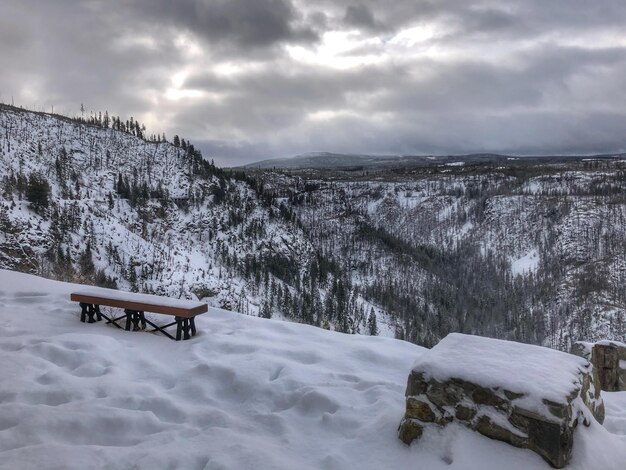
column 83, row 311
column 135, row 321
column 186, row 328
column 183, row 328
column 138, row 320
column 90, row 313
column 192, row 324
column 179, row 328
column 129, row 318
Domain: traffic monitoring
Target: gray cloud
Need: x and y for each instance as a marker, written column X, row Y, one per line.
column 237, row 25
column 361, row 16
column 251, row 79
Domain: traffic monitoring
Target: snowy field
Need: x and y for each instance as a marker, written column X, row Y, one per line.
column 245, row 393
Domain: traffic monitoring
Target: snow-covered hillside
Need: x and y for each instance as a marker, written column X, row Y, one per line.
column 157, row 245
column 151, row 216
column 527, row 251
column 244, row 393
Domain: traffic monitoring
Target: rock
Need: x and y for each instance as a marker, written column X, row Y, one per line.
column 609, row 362
column 527, row 396
column 419, row 409
column 605, row 359
column 512, row 395
column 553, row 441
column 488, row 428
column 560, row 410
column 444, row 394
column 416, row 384
column 464, row 413
column 582, row 349
column 409, row 430
column 485, row 396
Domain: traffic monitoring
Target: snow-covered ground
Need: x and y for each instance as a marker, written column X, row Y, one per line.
column 244, row 393
column 525, row 264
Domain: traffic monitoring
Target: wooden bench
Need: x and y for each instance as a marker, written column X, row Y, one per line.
column 135, row 305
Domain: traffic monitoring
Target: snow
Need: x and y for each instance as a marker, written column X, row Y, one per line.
column 538, row 372
column 411, row 202
column 148, row 299
column 611, row 343
column 244, row 393
column 586, row 349
column 615, row 407
column 533, row 187
column 526, row 264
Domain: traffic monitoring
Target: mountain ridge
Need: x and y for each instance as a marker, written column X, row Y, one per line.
column 330, row 160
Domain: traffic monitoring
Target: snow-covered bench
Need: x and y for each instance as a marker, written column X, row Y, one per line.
column 135, row 305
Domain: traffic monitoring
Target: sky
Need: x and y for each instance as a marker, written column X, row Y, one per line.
column 246, row 80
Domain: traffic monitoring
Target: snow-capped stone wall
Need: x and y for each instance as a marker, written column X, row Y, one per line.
column 609, row 361
column 529, row 396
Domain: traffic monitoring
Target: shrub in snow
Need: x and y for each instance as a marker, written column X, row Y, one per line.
column 609, row 361
column 529, row 396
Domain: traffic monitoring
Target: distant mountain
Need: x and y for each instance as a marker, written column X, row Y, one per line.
column 323, row 160
column 342, row 161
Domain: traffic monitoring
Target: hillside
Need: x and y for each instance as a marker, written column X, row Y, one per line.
column 148, row 215
column 244, row 393
column 533, row 253
column 524, row 249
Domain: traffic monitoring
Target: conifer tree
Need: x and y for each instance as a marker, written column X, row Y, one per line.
column 372, row 324
column 266, row 311
column 85, row 262
column 37, row 193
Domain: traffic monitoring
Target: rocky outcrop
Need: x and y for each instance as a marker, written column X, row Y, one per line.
column 500, row 390
column 609, row 361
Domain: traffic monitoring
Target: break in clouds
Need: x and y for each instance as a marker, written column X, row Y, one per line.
column 252, row 79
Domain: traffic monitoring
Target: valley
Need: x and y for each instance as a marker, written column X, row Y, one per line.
column 531, row 250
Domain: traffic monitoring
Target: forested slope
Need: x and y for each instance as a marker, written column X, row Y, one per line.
column 533, row 253
column 527, row 251
column 96, row 201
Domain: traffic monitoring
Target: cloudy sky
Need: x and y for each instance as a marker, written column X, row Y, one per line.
column 252, row 79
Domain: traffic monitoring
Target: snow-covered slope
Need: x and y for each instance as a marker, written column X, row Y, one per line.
column 152, row 245
column 244, row 393
column 533, row 253
column 156, row 217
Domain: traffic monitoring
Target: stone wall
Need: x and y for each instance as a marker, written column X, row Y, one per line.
column 609, row 361
column 503, row 413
